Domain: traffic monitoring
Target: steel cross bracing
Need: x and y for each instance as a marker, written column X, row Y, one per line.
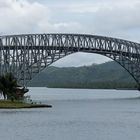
column 27, row 55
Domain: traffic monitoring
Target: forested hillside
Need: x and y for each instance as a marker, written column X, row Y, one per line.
column 107, row 75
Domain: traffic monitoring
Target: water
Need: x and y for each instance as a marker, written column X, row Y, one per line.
column 76, row 114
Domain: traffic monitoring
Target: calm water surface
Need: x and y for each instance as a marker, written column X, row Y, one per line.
column 77, row 114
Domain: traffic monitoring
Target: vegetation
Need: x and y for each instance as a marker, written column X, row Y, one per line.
column 109, row 75
column 8, row 86
column 10, row 89
column 4, row 104
column 13, row 94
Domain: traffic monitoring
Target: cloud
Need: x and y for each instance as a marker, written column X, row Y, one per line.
column 119, row 22
column 109, row 17
column 22, row 16
column 117, row 17
column 120, row 19
column 68, row 27
column 92, row 6
column 80, row 59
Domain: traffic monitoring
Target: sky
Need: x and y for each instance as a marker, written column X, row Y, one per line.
column 114, row 18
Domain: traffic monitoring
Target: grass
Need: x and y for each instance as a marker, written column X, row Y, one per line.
column 7, row 104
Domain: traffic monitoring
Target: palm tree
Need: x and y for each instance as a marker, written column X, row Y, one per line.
column 8, row 85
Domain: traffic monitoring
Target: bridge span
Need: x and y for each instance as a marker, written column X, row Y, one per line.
column 27, row 55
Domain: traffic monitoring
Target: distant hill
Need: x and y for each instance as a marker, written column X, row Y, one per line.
column 106, row 75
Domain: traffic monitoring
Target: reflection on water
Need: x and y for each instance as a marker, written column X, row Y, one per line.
column 80, row 94
column 76, row 114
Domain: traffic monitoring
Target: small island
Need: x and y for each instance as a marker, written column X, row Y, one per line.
column 14, row 95
column 7, row 104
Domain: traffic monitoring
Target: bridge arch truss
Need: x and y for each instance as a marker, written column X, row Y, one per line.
column 27, row 55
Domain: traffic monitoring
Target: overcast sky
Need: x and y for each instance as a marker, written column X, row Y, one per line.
column 115, row 18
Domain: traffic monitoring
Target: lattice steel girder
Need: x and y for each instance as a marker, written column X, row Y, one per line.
column 27, row 55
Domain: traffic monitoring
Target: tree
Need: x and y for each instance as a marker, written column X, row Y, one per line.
column 8, row 85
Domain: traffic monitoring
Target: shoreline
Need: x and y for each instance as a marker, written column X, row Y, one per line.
column 36, row 106
column 6, row 104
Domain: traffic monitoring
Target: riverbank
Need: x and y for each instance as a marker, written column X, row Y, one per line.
column 6, row 104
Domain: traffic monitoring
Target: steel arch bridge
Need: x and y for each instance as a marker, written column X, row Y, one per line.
column 26, row 55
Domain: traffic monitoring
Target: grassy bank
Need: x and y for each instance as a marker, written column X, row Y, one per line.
column 7, row 104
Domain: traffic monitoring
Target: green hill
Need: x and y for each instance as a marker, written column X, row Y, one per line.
column 106, row 75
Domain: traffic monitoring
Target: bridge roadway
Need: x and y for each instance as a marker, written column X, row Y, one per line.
column 92, row 50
